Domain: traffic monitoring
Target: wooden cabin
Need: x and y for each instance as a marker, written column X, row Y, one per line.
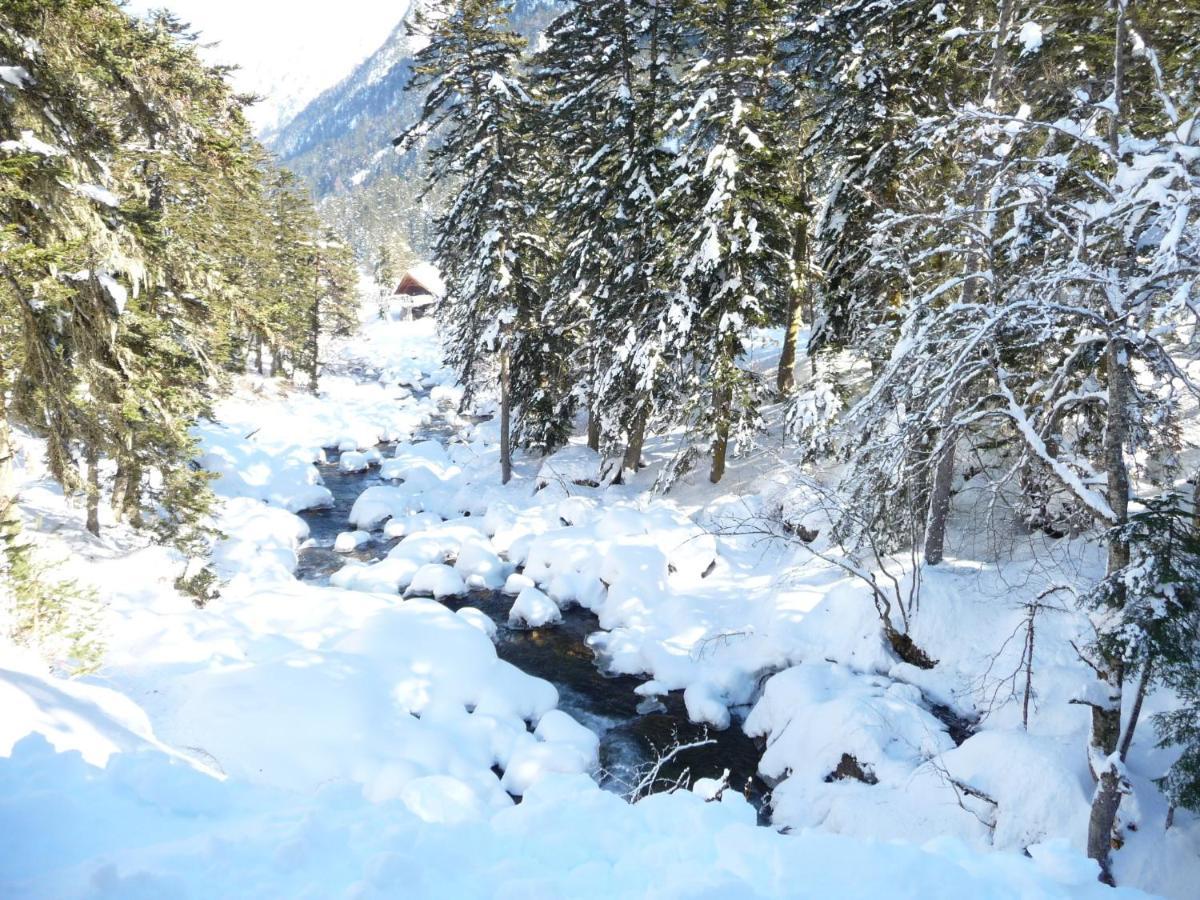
column 418, row 293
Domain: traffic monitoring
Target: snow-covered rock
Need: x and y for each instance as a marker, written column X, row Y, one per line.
column 534, row 608
column 436, row 580
column 349, row 541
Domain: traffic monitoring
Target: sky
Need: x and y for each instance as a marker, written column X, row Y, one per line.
column 288, row 50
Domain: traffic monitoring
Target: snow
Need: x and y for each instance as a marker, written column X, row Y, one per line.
column 99, row 194
column 436, row 580
column 114, row 289
column 1030, row 37
column 17, row 76
column 349, row 541
column 30, row 143
column 533, row 608
column 337, row 738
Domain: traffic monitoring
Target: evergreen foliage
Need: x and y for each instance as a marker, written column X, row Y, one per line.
column 146, row 245
column 987, row 213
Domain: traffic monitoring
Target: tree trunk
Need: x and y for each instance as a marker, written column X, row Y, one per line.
column 10, row 524
column 1106, row 717
column 785, row 377
column 505, row 421
column 593, row 431
column 943, row 473
column 1100, row 822
column 258, row 355
column 132, row 508
column 939, row 498
column 314, row 346
column 119, row 489
column 92, row 460
column 721, row 401
column 637, row 437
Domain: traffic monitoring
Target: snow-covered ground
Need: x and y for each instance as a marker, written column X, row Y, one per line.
column 358, row 738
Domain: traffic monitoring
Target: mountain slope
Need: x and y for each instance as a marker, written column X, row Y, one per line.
column 340, row 144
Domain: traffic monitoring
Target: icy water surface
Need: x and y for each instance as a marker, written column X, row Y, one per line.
column 633, row 730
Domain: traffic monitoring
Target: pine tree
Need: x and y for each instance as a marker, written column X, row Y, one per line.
column 608, row 70
column 731, row 245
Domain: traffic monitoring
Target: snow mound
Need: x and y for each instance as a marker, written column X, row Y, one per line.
column 534, row 608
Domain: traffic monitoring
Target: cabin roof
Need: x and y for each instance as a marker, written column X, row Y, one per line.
column 423, row 276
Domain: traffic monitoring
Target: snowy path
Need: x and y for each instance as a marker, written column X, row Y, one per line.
column 302, row 738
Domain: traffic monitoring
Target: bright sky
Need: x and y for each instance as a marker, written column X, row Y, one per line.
column 289, row 50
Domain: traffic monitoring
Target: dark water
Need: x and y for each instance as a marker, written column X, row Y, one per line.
column 634, row 731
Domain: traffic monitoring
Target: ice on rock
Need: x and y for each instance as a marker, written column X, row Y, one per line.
column 405, row 525
column 534, row 608
column 533, row 760
column 436, row 580
column 379, row 503
column 706, row 704
column 389, row 575
column 349, row 541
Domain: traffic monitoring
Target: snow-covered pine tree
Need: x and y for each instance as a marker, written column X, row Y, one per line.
column 1149, row 612
column 488, row 250
column 607, row 71
column 730, row 252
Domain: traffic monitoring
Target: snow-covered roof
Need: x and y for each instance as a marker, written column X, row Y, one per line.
column 427, row 276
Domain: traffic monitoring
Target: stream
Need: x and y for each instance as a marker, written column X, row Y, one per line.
column 633, row 730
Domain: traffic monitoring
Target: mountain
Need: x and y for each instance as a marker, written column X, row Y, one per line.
column 341, row 145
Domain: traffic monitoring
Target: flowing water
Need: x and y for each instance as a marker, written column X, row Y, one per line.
column 633, row 730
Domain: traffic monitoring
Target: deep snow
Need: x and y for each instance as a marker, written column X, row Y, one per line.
column 359, row 738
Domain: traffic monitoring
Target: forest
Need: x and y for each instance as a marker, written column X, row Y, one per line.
column 753, row 310
column 148, row 248
column 989, row 229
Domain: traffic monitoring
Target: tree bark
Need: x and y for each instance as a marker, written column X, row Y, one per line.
column 785, row 377
column 593, row 431
column 92, row 460
column 119, row 489
column 505, row 421
column 10, row 524
column 132, row 507
column 1100, row 822
column 1106, row 717
column 258, row 354
column 637, row 437
column 939, row 498
column 314, row 346
column 721, row 401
